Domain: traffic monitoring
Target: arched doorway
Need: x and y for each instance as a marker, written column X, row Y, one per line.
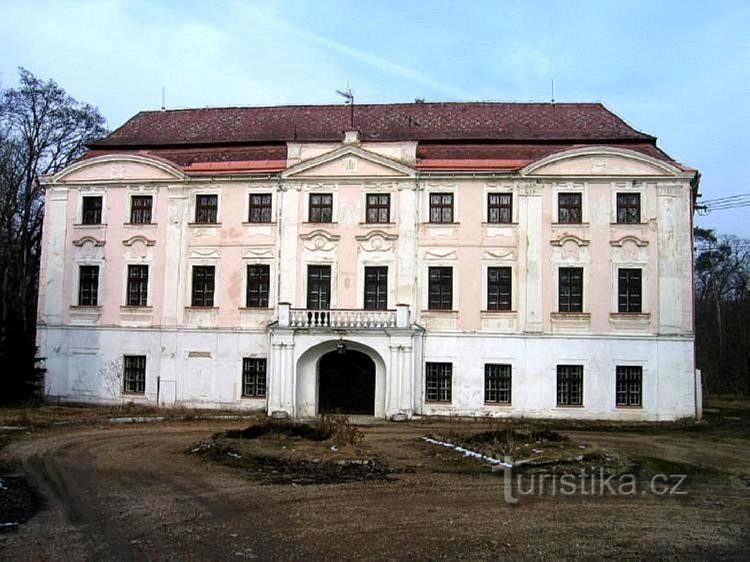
column 346, row 383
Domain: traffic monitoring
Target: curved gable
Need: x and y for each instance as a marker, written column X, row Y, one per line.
column 118, row 167
column 599, row 161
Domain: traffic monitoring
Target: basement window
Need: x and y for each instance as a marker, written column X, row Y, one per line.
column 629, row 386
column 134, row 375
column 497, row 384
column 570, row 385
column 253, row 377
column 438, row 382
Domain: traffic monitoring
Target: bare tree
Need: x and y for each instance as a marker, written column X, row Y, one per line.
column 42, row 130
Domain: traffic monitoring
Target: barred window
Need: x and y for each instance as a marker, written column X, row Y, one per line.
column 253, row 377
column 88, row 285
column 204, row 277
column 570, row 385
column 260, row 208
column 499, row 208
column 629, row 290
column 258, row 284
column 134, row 374
column 440, row 288
column 569, row 208
column 206, row 209
column 321, row 207
column 570, row 289
column 137, row 285
column 628, row 208
column 441, row 207
column 378, row 208
column 140, row 209
column 629, row 385
column 438, row 381
column 497, row 384
column 91, row 212
column 499, row 288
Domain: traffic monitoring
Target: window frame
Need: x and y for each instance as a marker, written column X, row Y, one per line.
column 628, row 384
column 442, row 207
column 564, row 210
column 627, row 212
column 260, row 298
column 254, row 377
column 441, row 292
column 206, row 214
column 502, row 378
column 134, row 376
column 380, row 284
column 137, row 286
column 319, row 208
column 565, row 302
column 199, row 296
column 379, row 207
column 565, row 390
column 92, row 291
column 98, row 212
column 322, row 279
column 262, row 209
column 138, row 215
column 499, row 207
column 624, row 288
column 496, row 290
column 436, row 374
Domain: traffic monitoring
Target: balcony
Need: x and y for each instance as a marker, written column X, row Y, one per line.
column 343, row 318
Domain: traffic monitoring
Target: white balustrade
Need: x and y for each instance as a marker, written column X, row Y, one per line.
column 342, row 318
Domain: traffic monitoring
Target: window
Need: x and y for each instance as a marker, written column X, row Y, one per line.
column 258, row 282
column 499, row 208
column 570, row 385
column 438, row 381
column 134, row 375
column 204, row 277
column 319, row 287
column 206, row 209
column 628, row 208
column 137, row 285
column 321, row 207
column 140, row 209
column 92, row 210
column 378, row 208
column 441, row 207
column 629, row 386
column 260, row 208
column 88, row 285
column 497, row 384
column 376, row 288
column 253, row 377
column 498, row 288
column 569, row 208
column 571, row 289
column 440, row 290
column 629, row 290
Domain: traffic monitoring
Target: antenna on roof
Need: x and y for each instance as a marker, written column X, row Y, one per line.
column 349, row 97
column 163, row 98
column 553, row 90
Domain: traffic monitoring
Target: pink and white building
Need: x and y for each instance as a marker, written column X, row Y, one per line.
column 421, row 259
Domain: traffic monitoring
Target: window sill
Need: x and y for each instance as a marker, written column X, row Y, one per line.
column 201, row 308
column 311, row 222
column 569, row 406
column 256, row 308
column 496, row 224
column 438, row 311
column 243, row 397
column 439, row 402
column 203, row 224
column 90, row 225
column 86, row 307
column 628, row 407
column 563, row 224
column 500, row 404
column 377, row 224
column 633, row 224
column 441, row 223
column 581, row 316
column 133, row 393
column 135, row 308
column 270, row 223
column 499, row 312
column 140, row 224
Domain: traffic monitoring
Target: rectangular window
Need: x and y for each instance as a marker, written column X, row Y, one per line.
column 629, row 290
column 206, row 209
column 440, row 289
column 88, row 285
column 570, row 385
column 260, row 208
column 204, row 277
column 441, row 207
column 499, row 208
column 321, row 207
column 137, row 285
column 91, row 212
column 253, row 377
column 376, row 288
column 497, row 381
column 571, row 289
column 258, row 284
column 628, row 208
column 498, row 288
column 378, row 208
column 140, row 209
column 569, row 208
column 134, row 374
column 629, row 386
column 319, row 287
column 438, row 381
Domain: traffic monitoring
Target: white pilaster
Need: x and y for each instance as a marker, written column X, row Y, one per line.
column 530, row 262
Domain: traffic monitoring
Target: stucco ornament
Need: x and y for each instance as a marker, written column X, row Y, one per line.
column 319, row 240
column 376, row 241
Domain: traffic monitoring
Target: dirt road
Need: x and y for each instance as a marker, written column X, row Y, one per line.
column 131, row 493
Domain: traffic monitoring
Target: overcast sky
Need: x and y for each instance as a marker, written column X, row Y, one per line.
column 677, row 70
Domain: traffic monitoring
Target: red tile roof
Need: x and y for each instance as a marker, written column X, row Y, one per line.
column 480, row 121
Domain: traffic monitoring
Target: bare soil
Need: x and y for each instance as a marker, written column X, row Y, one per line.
column 126, row 492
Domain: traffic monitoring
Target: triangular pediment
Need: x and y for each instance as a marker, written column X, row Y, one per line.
column 349, row 161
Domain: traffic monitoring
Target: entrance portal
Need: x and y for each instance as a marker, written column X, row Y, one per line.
column 346, row 383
